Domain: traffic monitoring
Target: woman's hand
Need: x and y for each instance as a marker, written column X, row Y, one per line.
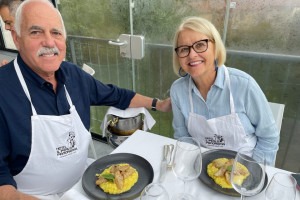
column 164, row 105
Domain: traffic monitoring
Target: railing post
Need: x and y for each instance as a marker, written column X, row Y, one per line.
column 73, row 54
column 226, row 21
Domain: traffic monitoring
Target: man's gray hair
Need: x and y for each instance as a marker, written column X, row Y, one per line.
column 19, row 16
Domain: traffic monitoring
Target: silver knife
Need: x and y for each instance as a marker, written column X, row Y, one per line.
column 163, row 165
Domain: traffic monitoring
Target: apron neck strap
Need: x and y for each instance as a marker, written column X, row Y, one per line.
column 68, row 97
column 24, row 86
column 190, row 95
column 227, row 82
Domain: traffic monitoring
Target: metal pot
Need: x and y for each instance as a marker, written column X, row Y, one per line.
column 119, row 129
column 125, row 126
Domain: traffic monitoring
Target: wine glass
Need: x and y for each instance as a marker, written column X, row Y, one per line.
column 154, row 191
column 282, row 186
column 187, row 163
column 248, row 171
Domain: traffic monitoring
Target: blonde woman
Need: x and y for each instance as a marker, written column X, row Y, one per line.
column 223, row 107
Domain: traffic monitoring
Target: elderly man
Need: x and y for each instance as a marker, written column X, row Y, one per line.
column 43, row 101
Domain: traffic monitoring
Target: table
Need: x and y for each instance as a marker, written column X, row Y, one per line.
column 149, row 146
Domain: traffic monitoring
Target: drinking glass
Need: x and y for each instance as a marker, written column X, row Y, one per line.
column 187, row 163
column 154, row 191
column 282, row 186
column 254, row 161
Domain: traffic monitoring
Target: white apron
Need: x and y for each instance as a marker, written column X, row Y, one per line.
column 226, row 132
column 59, row 150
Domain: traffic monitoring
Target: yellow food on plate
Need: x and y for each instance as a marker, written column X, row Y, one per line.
column 220, row 169
column 117, row 178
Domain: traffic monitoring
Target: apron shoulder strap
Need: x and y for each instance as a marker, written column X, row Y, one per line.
column 227, row 81
column 24, row 86
column 68, row 97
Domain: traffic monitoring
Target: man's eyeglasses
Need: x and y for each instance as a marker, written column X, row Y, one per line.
column 199, row 47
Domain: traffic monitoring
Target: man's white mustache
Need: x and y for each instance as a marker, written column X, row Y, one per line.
column 46, row 50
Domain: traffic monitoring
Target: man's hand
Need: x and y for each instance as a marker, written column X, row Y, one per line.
column 8, row 192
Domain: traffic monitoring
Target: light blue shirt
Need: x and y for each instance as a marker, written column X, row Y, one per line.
column 250, row 104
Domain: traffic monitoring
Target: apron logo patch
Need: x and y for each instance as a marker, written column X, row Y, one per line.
column 70, row 147
column 217, row 140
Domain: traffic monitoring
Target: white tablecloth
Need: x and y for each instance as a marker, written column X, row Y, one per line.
column 149, row 146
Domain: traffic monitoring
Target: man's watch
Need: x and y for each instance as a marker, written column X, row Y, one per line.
column 154, row 102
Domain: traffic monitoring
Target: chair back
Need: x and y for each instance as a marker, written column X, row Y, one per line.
column 88, row 69
column 277, row 110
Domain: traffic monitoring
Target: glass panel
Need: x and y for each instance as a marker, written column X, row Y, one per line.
column 270, row 26
column 90, row 25
column 158, row 20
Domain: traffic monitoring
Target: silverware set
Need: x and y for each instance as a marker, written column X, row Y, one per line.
column 167, row 161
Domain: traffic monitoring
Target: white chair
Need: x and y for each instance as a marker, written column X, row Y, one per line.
column 277, row 110
column 92, row 149
column 88, row 69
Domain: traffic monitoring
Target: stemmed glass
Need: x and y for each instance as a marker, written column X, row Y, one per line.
column 254, row 161
column 282, row 186
column 187, row 163
column 154, row 191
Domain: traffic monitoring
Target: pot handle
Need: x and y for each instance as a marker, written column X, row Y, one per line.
column 114, row 121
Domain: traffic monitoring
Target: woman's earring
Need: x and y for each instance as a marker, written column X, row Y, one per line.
column 216, row 63
column 180, row 72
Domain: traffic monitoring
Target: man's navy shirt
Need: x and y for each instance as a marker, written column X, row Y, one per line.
column 15, row 108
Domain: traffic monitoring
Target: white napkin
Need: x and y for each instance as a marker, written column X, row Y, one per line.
column 73, row 194
column 129, row 112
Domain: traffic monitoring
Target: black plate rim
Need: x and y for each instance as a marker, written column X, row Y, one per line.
column 120, row 157
column 208, row 181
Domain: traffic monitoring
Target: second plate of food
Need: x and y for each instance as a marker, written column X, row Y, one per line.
column 142, row 166
column 207, row 158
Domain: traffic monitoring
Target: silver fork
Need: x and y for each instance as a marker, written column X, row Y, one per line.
column 170, row 155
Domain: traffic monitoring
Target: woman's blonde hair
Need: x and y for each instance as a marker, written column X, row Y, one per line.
column 205, row 27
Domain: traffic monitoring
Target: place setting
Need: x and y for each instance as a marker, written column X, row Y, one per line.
column 244, row 168
column 215, row 161
column 137, row 181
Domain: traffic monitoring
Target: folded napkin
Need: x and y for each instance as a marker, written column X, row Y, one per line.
column 129, row 112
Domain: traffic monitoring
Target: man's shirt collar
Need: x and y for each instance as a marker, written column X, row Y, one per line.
column 31, row 75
